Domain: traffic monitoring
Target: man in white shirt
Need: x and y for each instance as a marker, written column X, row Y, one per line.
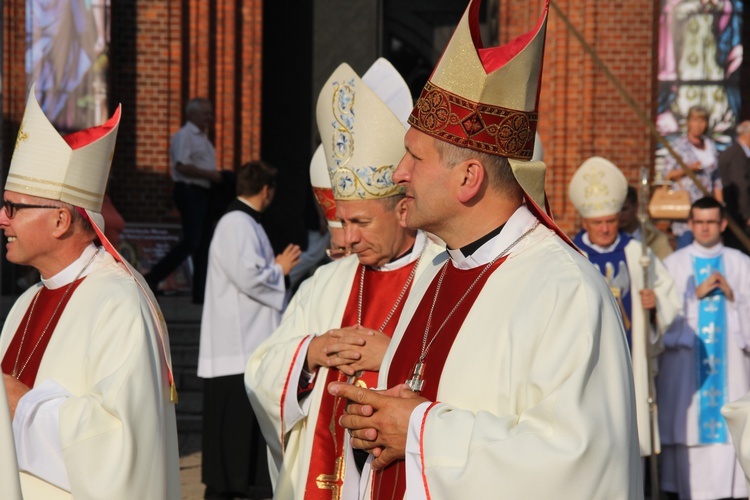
column 244, row 299
column 194, row 170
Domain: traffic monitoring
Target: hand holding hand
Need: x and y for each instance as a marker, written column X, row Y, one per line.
column 289, row 258
column 378, row 421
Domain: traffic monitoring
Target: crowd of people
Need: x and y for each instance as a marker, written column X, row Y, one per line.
column 457, row 345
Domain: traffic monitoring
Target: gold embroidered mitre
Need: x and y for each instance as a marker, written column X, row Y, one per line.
column 598, row 188
column 363, row 138
column 73, row 169
column 485, row 99
column 321, row 184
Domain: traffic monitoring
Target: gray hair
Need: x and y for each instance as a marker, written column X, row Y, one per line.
column 195, row 104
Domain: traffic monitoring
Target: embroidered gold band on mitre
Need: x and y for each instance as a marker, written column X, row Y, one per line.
column 481, row 127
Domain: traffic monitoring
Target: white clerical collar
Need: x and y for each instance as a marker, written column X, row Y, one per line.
column 67, row 275
column 610, row 248
column 248, row 204
column 521, row 221
column 700, row 251
column 419, row 243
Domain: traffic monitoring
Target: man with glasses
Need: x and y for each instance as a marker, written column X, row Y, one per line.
column 85, row 356
column 339, row 323
column 706, row 362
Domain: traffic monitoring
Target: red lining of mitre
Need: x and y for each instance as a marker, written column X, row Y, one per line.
column 495, row 58
column 82, row 138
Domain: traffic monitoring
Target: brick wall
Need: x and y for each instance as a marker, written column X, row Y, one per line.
column 166, row 51
column 581, row 112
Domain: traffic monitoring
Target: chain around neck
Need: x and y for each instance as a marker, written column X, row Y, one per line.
column 16, row 372
column 400, row 295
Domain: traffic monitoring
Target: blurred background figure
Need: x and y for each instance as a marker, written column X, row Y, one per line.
column 244, row 298
column 194, row 170
column 699, row 154
column 656, row 240
column 705, row 363
column 734, row 166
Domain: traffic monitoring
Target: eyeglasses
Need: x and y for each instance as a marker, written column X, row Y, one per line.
column 11, row 208
column 337, row 253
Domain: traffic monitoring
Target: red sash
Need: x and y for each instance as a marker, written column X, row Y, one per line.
column 46, row 303
column 325, row 476
column 390, row 482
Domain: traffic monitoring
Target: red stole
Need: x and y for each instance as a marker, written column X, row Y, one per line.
column 325, row 476
column 46, row 303
column 390, row 482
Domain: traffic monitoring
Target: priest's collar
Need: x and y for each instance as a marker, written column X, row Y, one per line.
column 413, row 254
column 247, row 207
column 492, row 244
column 469, row 249
column 700, row 251
column 67, row 275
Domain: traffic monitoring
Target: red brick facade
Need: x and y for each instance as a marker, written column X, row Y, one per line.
column 165, row 51
column 581, row 112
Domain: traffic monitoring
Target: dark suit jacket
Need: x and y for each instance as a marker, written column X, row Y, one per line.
column 734, row 168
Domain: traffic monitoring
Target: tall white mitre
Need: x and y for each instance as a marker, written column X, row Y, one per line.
column 73, row 169
column 361, row 122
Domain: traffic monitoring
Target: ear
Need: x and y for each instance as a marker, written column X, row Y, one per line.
column 471, row 174
column 63, row 222
column 723, row 224
column 401, row 212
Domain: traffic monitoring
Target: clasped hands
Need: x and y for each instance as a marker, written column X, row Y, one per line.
column 349, row 350
column 378, row 421
column 716, row 280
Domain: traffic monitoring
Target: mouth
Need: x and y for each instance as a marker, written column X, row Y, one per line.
column 11, row 239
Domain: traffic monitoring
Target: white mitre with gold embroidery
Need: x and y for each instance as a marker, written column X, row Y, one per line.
column 598, row 188
column 321, row 184
column 73, row 169
column 363, row 138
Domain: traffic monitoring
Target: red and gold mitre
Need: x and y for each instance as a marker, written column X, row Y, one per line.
column 485, row 99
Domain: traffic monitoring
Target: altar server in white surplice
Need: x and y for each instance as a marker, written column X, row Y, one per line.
column 706, row 362
column 519, row 380
column 245, row 295
column 598, row 190
column 85, row 353
column 361, row 125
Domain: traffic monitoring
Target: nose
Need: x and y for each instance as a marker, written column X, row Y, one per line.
column 401, row 174
column 351, row 235
column 4, row 219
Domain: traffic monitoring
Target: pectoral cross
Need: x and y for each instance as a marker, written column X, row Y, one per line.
column 416, row 381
